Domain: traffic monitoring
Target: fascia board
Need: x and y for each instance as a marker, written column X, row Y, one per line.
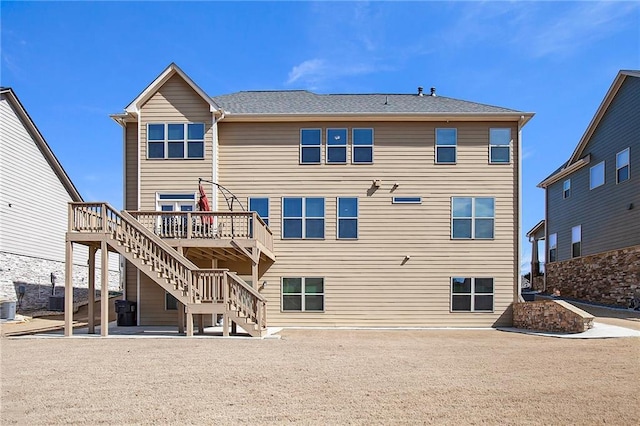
column 565, row 172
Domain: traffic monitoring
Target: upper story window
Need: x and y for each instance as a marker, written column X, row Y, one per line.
column 337, row 146
column 310, row 142
column 499, row 146
column 566, row 188
column 303, row 218
column 576, row 241
column 472, row 218
column 622, row 166
column 175, row 140
column 553, row 247
column 347, row 218
column 362, row 152
column 596, row 175
column 260, row 205
column 446, row 141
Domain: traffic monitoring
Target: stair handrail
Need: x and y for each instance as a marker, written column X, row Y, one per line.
column 260, row 311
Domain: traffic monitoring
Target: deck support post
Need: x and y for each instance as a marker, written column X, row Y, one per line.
column 180, row 318
column 200, row 324
column 68, row 289
column 225, row 324
column 104, row 289
column 189, row 323
column 92, row 289
column 234, row 327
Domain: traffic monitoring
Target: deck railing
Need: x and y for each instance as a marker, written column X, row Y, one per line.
column 195, row 285
column 206, row 225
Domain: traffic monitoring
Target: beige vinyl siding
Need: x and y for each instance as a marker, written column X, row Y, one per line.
column 131, row 167
column 174, row 102
column 365, row 281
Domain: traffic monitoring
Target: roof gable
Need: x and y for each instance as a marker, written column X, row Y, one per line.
column 156, row 84
column 41, row 143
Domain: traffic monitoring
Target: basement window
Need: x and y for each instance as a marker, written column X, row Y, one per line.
column 303, row 294
column 471, row 294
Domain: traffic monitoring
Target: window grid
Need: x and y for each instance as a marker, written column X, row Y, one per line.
column 500, row 146
column 310, row 146
column 446, row 142
column 336, row 146
column 302, row 294
column 473, row 218
column 566, row 188
column 299, row 220
column 622, row 166
column 553, row 248
column 362, row 146
column 576, row 241
column 347, row 228
column 472, row 294
column 175, row 140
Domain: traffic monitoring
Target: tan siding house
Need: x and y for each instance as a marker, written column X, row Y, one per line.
column 382, row 210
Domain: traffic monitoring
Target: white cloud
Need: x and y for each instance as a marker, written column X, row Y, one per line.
column 307, row 70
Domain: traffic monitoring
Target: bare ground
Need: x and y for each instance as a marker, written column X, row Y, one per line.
column 323, row 377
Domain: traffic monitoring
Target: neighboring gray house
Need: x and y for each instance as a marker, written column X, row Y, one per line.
column 34, row 195
column 592, row 215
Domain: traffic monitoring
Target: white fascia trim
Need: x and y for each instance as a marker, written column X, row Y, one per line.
column 565, row 172
column 423, row 117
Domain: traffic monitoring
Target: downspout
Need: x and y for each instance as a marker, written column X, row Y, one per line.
column 518, row 295
column 215, row 150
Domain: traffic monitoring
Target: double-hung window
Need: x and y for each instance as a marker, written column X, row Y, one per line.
column 347, row 218
column 362, row 142
column 499, row 146
column 596, row 175
column 446, row 141
column 553, row 248
column 622, row 166
column 303, row 294
column 472, row 218
column 303, row 218
column 576, row 241
column 310, row 143
column 260, row 205
column 175, row 140
column 566, row 188
column 336, row 146
column 472, row 294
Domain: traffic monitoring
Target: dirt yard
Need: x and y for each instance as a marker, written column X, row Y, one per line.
column 323, row 377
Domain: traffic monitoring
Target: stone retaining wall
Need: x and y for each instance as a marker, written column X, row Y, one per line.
column 552, row 316
column 35, row 275
column 611, row 278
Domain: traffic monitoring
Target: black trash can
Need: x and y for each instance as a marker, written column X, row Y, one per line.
column 126, row 312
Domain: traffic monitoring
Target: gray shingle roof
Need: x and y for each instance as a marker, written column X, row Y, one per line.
column 305, row 102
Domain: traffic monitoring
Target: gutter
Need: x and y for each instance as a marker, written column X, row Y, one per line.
column 565, row 172
column 522, row 118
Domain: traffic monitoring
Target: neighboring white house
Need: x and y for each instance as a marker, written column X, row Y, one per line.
column 34, row 195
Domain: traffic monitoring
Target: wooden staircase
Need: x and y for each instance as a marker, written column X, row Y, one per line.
column 201, row 291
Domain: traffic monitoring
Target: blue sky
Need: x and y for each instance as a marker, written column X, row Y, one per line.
column 74, row 63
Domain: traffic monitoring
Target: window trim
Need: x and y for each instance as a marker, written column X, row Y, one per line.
column 627, row 165
column 303, row 294
column 553, row 245
column 473, row 219
column 319, row 146
column 185, row 140
column 344, row 146
column 591, row 171
column 566, row 189
column 495, row 145
column 339, row 218
column 354, row 146
column 455, row 146
column 304, row 218
column 472, row 295
column 574, row 241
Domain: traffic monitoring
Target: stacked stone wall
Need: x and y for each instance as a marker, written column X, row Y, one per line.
column 551, row 316
column 34, row 275
column 610, row 278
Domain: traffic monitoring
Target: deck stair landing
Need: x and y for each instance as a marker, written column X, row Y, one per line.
column 201, row 291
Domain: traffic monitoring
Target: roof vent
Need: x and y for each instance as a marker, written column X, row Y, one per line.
column 420, row 90
column 433, row 91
